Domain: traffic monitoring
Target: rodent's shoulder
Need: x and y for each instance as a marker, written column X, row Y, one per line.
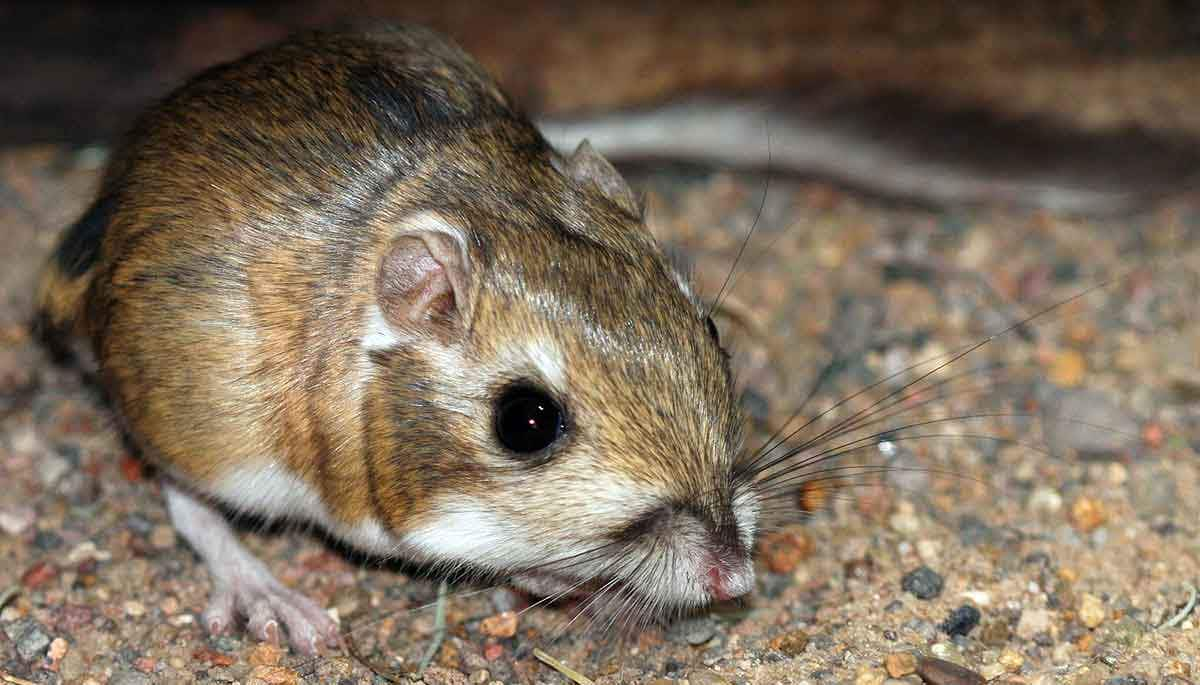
column 329, row 102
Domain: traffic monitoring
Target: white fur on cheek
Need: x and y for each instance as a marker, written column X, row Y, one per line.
column 468, row 531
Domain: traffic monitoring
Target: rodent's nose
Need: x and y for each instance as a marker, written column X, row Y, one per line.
column 724, row 581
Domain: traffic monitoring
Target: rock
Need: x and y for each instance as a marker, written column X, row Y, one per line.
column 922, row 583
column 46, row 540
column 784, row 551
column 961, row 621
column 1033, row 622
column 1067, row 369
column 693, row 631
column 1045, row 500
column 870, row 676
column 707, row 677
column 264, row 654
column 51, row 468
column 1011, row 660
column 162, row 537
column 1088, row 514
column 994, row 633
column 940, row 672
column 791, row 643
column 39, row 574
column 503, row 624
column 280, row 675
column 16, row 520
column 1089, row 423
column 973, row 531
column 130, row 678
column 900, row 664
column 1091, row 610
column 29, row 636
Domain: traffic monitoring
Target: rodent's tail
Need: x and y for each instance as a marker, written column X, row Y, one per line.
column 66, row 278
column 901, row 146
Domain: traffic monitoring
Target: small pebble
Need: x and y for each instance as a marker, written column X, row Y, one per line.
column 930, row 551
column 1011, row 660
column 130, row 678
column 58, row 649
column 693, row 631
column 1045, row 500
column 39, row 574
column 503, row 624
column 994, row 633
column 922, row 583
column 1033, row 622
column 135, row 609
column 1088, row 514
column 905, row 523
column 16, row 520
column 1091, row 610
column 707, row 677
column 51, row 468
column 870, row 676
column 961, row 621
column 977, row 597
column 162, row 537
column 1070, row 419
column 943, row 650
column 145, row 664
column 900, row 664
column 46, row 540
column 791, row 643
column 264, row 654
column 784, row 551
column 941, row 672
column 973, row 531
column 212, row 657
column 493, row 651
column 29, row 636
column 274, row 675
column 1067, row 369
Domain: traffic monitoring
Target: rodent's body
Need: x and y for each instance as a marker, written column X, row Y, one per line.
column 313, row 279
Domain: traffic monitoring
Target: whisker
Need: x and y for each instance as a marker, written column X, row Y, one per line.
column 762, row 203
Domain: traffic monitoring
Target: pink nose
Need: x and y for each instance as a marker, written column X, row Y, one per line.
column 718, row 585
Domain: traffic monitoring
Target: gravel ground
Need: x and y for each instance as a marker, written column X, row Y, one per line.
column 1051, row 538
column 1053, row 552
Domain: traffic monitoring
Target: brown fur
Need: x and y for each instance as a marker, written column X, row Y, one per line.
column 250, row 213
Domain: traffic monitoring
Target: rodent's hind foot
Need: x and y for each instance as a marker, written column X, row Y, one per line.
column 267, row 604
column 243, row 586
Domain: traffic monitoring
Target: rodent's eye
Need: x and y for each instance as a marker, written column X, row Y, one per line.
column 528, row 420
column 712, row 330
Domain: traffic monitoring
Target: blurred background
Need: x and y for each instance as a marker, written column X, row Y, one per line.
column 78, row 71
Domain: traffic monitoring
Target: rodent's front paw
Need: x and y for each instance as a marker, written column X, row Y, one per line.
column 266, row 605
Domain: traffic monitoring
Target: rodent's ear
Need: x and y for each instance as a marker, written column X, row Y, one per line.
column 589, row 166
column 423, row 280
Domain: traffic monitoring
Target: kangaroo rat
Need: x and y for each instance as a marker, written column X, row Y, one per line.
column 343, row 281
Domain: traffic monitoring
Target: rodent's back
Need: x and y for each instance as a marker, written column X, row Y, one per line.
column 228, row 255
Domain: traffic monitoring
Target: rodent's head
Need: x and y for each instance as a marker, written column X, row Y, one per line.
column 548, row 398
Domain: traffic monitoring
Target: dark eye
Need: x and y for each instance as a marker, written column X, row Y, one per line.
column 528, row 420
column 712, row 330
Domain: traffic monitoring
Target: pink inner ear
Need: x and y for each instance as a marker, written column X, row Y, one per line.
column 414, row 287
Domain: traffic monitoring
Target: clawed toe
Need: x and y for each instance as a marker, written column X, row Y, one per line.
column 270, row 610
